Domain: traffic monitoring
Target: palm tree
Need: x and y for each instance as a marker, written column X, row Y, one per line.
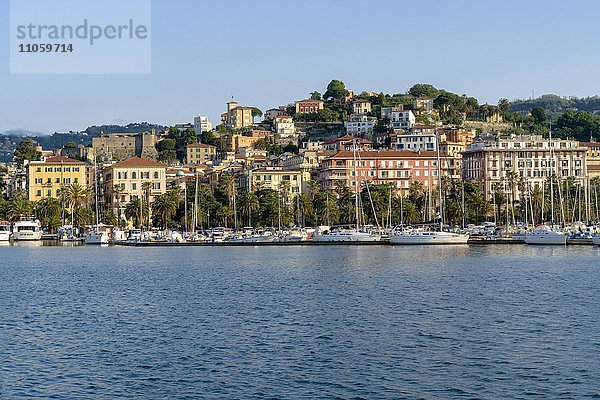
column 133, row 211
column 118, row 192
column 48, row 211
column 109, row 218
column 76, row 195
column 82, row 216
column 18, row 207
column 146, row 187
column 249, row 204
column 164, row 206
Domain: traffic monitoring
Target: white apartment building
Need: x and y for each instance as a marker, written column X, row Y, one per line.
column 202, row 124
column 399, row 118
column 359, row 125
column 490, row 162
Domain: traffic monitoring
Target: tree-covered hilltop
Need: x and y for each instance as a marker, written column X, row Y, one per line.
column 556, row 105
column 95, row 130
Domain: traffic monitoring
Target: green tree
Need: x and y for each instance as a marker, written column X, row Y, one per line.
column 423, row 90
column 109, row 218
column 336, row 91
column 48, row 211
column 164, row 207
column 133, row 212
column 315, row 95
column 26, row 150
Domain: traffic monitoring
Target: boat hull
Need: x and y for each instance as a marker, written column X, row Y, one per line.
column 27, row 236
column 547, row 239
column 96, row 239
column 430, row 239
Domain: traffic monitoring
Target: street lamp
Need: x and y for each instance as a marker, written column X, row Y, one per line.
column 181, row 174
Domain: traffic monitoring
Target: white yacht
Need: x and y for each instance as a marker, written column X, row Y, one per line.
column 421, row 237
column 344, row 235
column 546, row 235
column 4, row 231
column 97, row 236
column 27, row 229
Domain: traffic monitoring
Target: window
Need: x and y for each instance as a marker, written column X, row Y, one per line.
column 133, row 175
column 67, row 181
column 156, row 185
column 75, row 169
column 57, row 180
column 156, row 175
column 134, row 186
column 75, row 180
column 38, row 181
column 38, row 193
column 38, row 169
column 57, row 169
column 67, row 169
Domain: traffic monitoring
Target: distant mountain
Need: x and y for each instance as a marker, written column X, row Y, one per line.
column 557, row 105
column 22, row 132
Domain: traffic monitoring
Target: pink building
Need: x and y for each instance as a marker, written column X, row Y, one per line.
column 399, row 168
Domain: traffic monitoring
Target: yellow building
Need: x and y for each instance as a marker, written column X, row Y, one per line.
column 237, row 117
column 236, row 141
column 199, row 153
column 295, row 181
column 125, row 180
column 46, row 178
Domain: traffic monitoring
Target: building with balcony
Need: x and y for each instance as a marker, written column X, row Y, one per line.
column 399, row 168
column 124, row 181
column 493, row 162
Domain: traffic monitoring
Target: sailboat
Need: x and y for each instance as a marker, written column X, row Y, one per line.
column 427, row 237
column 97, row 235
column 348, row 234
column 544, row 234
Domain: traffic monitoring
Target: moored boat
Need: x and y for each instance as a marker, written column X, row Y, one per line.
column 4, row 231
column 424, row 237
column 344, row 235
column 27, row 229
column 546, row 236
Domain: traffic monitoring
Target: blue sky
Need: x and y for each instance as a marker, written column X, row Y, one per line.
column 267, row 53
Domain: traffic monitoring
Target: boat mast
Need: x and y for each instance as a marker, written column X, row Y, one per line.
column 96, row 193
column 551, row 177
column 439, row 184
column 355, row 184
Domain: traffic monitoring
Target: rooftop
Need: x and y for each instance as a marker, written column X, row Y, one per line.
column 137, row 162
column 62, row 160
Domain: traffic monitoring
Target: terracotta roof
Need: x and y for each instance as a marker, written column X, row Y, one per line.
column 386, row 154
column 282, row 116
column 311, row 100
column 348, row 138
column 62, row 159
column 200, row 145
column 589, row 144
column 137, row 162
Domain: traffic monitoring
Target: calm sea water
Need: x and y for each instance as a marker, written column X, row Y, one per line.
column 299, row 322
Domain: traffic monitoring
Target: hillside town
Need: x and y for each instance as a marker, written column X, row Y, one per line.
column 340, row 158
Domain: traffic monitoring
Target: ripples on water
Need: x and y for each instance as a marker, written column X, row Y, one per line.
column 310, row 322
